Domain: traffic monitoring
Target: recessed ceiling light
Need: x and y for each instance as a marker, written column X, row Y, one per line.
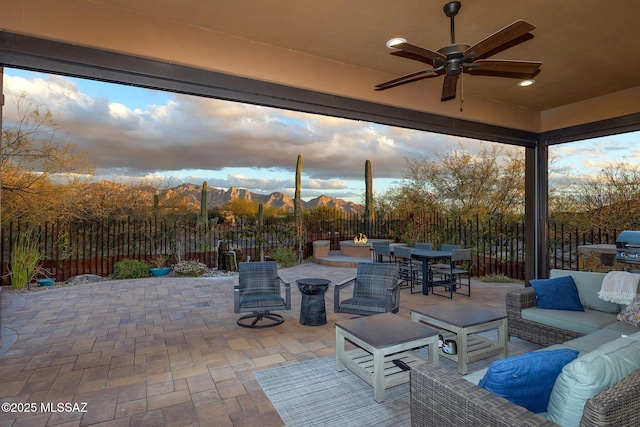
column 525, row 83
column 394, row 41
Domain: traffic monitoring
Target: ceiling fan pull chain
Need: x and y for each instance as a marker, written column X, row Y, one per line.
column 461, row 90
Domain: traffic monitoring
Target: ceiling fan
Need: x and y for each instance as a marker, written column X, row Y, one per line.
column 455, row 58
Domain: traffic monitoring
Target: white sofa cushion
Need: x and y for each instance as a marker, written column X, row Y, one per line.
column 590, row 374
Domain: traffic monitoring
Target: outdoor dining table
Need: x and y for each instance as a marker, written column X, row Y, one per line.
column 426, row 256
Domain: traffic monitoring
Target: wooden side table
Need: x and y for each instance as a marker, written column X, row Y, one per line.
column 382, row 339
column 463, row 321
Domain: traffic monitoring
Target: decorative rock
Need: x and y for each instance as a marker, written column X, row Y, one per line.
column 84, row 278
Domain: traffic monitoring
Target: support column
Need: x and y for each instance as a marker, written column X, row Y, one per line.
column 536, row 213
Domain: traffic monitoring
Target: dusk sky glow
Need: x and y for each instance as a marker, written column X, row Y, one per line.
column 132, row 133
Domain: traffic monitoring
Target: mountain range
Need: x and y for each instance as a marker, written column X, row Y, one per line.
column 219, row 197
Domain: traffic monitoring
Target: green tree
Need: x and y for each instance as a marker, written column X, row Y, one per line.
column 608, row 200
column 242, row 209
column 108, row 200
column 464, row 184
column 409, row 196
column 39, row 166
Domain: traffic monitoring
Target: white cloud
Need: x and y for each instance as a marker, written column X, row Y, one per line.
column 134, row 132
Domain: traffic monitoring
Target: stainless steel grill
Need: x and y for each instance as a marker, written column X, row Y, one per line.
column 628, row 247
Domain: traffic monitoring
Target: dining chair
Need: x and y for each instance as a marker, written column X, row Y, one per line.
column 424, row 245
column 448, row 247
column 445, row 248
column 382, row 252
column 453, row 274
column 410, row 271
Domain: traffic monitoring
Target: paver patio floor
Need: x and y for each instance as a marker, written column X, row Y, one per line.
column 163, row 351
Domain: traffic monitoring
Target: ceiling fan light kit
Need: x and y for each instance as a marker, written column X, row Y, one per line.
column 455, row 58
column 525, row 83
column 391, row 43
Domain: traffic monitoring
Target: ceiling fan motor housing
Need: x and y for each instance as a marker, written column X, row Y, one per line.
column 454, row 51
column 454, row 63
column 453, row 68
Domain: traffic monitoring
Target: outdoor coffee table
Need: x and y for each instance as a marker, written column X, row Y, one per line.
column 381, row 339
column 462, row 322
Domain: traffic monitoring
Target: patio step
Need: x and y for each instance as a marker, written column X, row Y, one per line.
column 334, row 259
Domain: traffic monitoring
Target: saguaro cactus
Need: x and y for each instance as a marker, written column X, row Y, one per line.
column 297, row 201
column 260, row 232
column 204, row 214
column 368, row 203
column 297, row 205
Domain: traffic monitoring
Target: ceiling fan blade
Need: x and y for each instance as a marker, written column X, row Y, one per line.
column 497, row 39
column 504, row 66
column 449, row 87
column 418, row 75
column 419, row 51
column 413, row 57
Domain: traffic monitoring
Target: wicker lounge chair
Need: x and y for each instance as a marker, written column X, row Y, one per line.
column 376, row 289
column 259, row 290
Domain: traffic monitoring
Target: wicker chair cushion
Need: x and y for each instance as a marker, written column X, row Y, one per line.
column 631, row 314
column 262, row 301
column 527, row 380
column 364, row 303
column 559, row 293
column 590, row 374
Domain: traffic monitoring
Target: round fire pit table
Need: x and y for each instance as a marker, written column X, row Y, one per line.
column 312, row 309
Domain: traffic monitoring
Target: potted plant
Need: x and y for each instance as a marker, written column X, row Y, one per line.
column 158, row 266
column 42, row 276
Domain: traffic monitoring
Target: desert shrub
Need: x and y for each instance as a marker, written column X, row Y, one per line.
column 285, row 257
column 158, row 261
column 496, row 278
column 130, row 269
column 191, row 268
column 25, row 257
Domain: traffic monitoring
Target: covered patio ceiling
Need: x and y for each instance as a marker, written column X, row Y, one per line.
column 326, row 57
column 588, row 48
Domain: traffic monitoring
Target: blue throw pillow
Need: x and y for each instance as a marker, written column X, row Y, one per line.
column 559, row 293
column 527, row 380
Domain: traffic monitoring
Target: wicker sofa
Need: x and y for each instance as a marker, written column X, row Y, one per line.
column 551, row 330
column 441, row 399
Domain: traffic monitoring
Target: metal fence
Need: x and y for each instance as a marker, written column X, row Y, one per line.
column 86, row 247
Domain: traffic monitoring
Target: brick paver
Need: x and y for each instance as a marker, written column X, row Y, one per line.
column 162, row 351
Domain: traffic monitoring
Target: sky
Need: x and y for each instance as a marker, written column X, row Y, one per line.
column 131, row 134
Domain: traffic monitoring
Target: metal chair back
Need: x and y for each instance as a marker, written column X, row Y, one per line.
column 424, row 245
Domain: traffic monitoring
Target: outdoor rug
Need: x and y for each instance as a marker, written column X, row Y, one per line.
column 313, row 393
